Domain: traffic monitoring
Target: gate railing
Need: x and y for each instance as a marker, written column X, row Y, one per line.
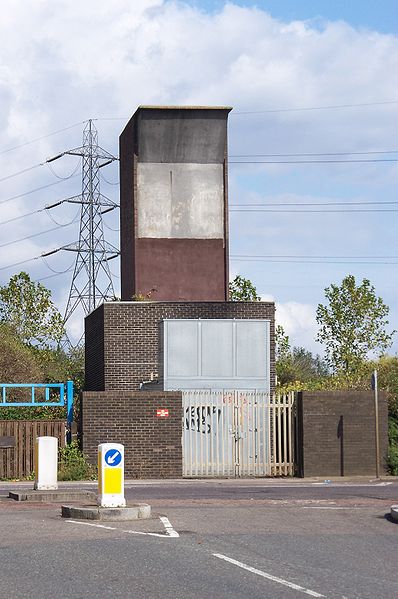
column 282, row 434
column 38, row 395
column 237, row 433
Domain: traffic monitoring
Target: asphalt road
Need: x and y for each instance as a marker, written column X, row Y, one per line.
column 220, row 539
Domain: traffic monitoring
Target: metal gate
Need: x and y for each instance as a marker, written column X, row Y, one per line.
column 237, row 433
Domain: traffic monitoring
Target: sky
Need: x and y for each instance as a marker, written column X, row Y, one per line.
column 309, row 82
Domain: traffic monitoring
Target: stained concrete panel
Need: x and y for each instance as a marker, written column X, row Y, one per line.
column 180, row 201
column 182, row 135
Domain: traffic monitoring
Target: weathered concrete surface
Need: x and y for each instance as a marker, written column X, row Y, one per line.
column 52, row 496
column 181, row 134
column 180, row 201
column 138, row 511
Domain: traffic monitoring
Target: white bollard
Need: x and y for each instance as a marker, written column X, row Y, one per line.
column 111, row 475
column 46, row 463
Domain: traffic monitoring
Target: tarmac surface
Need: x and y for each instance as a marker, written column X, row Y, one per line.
column 209, row 538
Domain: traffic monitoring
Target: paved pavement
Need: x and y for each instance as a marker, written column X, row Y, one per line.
column 215, row 539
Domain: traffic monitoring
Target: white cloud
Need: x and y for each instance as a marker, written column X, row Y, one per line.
column 299, row 323
column 63, row 62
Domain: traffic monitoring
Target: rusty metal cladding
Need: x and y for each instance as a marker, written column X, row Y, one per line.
column 173, row 182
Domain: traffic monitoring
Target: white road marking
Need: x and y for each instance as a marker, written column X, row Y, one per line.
column 90, row 524
column 271, row 486
column 327, row 507
column 168, row 527
column 286, row 583
column 170, row 532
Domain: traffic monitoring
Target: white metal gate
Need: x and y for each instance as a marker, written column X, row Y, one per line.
column 237, row 433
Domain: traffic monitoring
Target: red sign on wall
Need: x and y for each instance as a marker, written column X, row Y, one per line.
column 162, row 413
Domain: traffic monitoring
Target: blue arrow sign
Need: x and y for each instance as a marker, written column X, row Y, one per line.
column 113, row 457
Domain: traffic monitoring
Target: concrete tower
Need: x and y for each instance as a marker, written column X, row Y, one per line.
column 174, row 205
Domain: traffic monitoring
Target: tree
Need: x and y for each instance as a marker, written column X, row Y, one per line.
column 352, row 325
column 243, row 290
column 27, row 307
column 18, row 363
column 297, row 364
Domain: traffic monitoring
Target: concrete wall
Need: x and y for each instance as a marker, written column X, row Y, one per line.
column 123, row 340
column 152, row 444
column 336, row 433
column 173, row 204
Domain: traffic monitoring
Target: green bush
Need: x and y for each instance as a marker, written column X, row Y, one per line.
column 72, row 464
column 392, row 460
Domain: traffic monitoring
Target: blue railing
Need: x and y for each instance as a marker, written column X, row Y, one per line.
column 65, row 396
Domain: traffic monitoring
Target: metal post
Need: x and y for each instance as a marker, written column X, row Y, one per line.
column 377, row 437
column 69, row 410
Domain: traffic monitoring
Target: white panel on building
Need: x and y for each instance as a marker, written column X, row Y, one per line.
column 182, row 349
column 180, row 201
column 251, row 347
column 217, row 354
column 217, row 341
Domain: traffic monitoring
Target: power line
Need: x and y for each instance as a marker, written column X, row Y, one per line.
column 312, row 161
column 22, row 195
column 19, row 263
column 264, row 204
column 266, row 256
column 11, row 220
column 59, row 176
column 308, row 108
column 44, row 209
column 248, row 259
column 313, row 154
column 57, row 272
column 54, row 275
column 111, row 228
column 37, row 234
column 55, row 221
column 109, row 182
column 357, row 210
column 21, row 172
column 26, row 143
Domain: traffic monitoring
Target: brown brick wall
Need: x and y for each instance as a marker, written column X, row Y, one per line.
column 94, row 351
column 336, row 433
column 152, row 444
column 125, row 347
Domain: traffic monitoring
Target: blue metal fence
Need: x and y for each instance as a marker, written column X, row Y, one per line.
column 64, row 392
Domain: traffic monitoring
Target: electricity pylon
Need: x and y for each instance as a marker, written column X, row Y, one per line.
column 92, row 279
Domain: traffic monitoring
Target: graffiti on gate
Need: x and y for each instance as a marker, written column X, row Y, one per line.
column 228, row 399
column 201, row 418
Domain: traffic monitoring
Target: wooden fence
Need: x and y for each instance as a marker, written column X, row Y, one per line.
column 17, row 461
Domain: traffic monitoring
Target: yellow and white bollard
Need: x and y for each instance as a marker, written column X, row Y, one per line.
column 46, row 463
column 111, row 475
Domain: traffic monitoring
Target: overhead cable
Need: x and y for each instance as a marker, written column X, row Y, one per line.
column 59, row 176
column 272, row 210
column 291, row 261
column 21, row 195
column 308, row 108
column 31, row 141
column 36, row 234
column 18, row 263
column 265, row 204
column 21, row 172
column 312, row 161
column 313, row 154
